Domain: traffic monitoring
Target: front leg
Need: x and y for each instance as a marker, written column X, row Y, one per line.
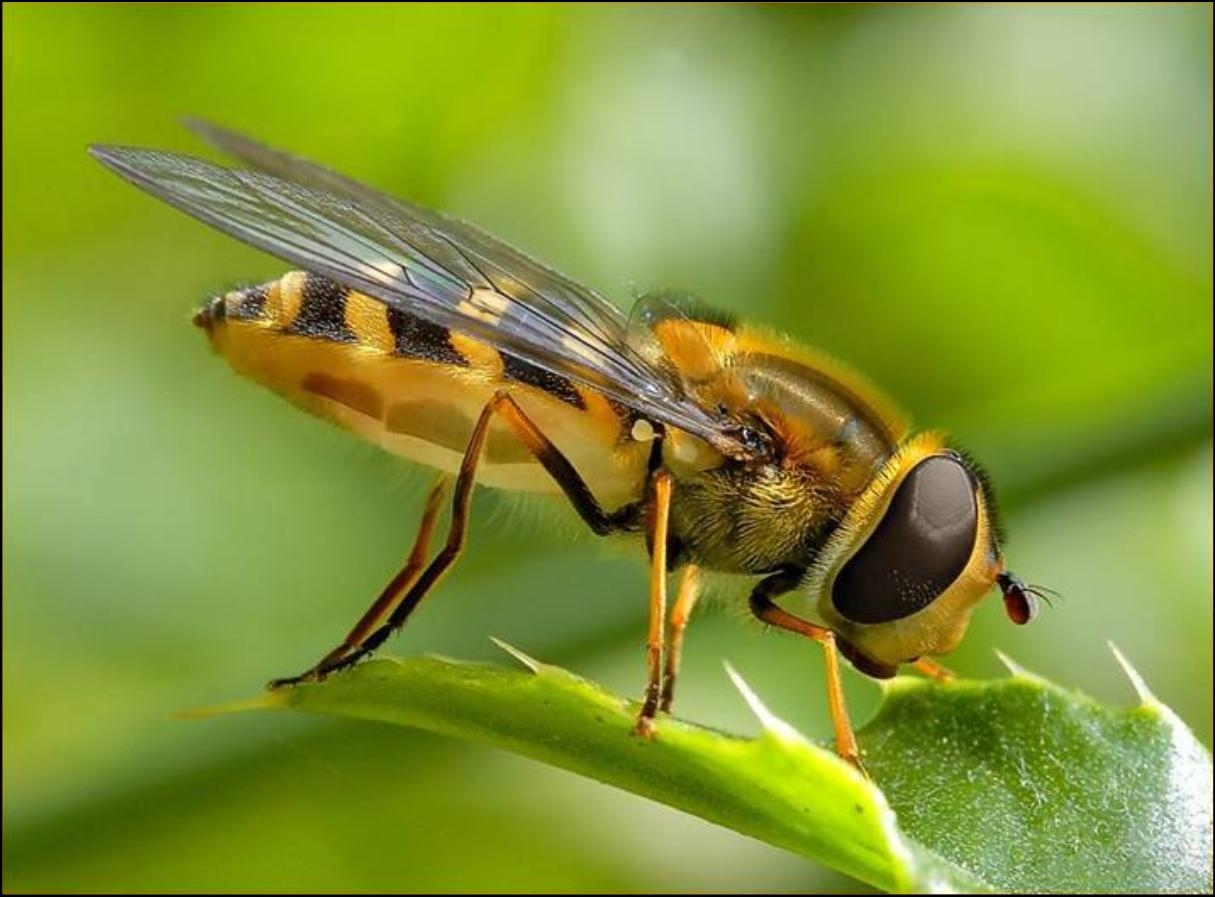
column 764, row 607
column 934, row 670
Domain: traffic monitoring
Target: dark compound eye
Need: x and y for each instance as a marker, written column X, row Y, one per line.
column 921, row 546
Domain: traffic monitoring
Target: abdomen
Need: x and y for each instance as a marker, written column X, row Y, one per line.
column 416, row 388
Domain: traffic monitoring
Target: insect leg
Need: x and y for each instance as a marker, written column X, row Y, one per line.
column 934, row 670
column 689, row 591
column 461, row 500
column 767, row 610
column 659, row 528
column 392, row 594
column 562, row 471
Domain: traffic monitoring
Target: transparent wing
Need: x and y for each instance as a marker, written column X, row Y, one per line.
column 542, row 289
column 424, row 264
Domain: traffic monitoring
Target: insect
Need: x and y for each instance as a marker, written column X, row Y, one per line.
column 719, row 446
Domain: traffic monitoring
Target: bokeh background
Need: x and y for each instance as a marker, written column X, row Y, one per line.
column 1003, row 214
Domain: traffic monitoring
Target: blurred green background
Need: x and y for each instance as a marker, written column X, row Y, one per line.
column 1003, row 214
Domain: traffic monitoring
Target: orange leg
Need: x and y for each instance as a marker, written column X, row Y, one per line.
column 659, row 526
column 767, row 610
column 689, row 591
column 433, row 572
column 390, row 597
column 934, row 670
column 411, row 585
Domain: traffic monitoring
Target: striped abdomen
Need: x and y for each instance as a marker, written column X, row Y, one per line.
column 415, row 387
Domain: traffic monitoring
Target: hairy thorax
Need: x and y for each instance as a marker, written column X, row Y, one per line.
column 753, row 519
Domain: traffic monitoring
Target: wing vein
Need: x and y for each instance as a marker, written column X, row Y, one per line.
column 423, row 263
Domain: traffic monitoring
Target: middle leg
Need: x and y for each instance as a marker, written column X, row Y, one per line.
column 685, row 600
column 659, row 529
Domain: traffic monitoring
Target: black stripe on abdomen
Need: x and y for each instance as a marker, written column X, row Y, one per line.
column 250, row 306
column 415, row 337
column 554, row 384
column 322, row 313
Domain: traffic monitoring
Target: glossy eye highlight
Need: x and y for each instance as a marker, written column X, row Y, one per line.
column 920, row 547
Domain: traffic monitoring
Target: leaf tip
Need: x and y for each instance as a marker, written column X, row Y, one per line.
column 1014, row 669
column 769, row 720
column 526, row 659
column 268, row 700
column 1137, row 682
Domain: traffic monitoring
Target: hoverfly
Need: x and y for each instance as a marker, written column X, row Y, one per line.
column 720, row 446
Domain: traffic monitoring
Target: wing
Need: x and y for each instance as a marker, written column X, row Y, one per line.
column 548, row 291
column 422, row 263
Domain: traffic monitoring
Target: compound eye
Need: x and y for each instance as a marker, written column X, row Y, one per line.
column 921, row 546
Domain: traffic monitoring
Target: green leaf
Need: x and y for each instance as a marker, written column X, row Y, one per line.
column 1039, row 789
column 1010, row 785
